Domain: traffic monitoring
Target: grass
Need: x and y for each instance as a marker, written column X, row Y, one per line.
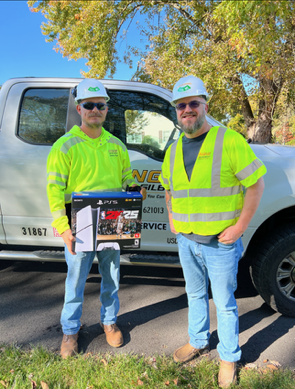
column 39, row 368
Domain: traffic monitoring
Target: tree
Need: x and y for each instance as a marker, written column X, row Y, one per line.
column 243, row 50
column 237, row 123
column 135, row 122
column 149, row 140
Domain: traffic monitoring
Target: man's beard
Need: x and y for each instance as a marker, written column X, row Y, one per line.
column 94, row 126
column 192, row 128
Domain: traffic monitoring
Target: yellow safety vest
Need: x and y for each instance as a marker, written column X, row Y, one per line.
column 213, row 199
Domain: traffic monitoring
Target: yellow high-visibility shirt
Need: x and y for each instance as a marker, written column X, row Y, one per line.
column 78, row 163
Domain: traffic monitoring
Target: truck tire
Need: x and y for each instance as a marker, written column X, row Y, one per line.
column 273, row 270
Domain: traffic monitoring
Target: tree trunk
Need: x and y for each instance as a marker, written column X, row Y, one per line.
column 260, row 130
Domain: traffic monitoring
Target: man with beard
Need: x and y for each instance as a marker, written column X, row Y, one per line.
column 204, row 173
column 88, row 158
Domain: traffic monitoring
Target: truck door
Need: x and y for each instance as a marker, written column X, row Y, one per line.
column 145, row 122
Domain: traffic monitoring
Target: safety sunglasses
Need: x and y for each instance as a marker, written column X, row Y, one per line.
column 90, row 106
column 192, row 104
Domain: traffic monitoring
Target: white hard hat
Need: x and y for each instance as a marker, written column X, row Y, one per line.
column 188, row 86
column 88, row 88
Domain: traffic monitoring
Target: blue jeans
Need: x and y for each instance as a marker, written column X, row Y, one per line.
column 79, row 266
column 219, row 263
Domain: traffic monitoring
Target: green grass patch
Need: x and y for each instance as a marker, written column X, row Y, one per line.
column 40, row 368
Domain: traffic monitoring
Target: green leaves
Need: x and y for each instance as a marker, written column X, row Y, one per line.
column 224, row 43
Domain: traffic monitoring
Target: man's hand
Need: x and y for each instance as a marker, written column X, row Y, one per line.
column 252, row 199
column 230, row 235
column 169, row 209
column 143, row 193
column 69, row 239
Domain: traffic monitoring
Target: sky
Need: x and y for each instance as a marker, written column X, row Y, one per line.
column 25, row 53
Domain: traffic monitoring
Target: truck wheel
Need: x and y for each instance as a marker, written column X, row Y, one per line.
column 273, row 270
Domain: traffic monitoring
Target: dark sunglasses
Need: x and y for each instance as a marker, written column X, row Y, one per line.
column 192, row 104
column 90, row 106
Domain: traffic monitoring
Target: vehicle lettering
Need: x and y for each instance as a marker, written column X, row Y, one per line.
column 34, row 231
column 153, row 176
column 136, row 174
column 153, row 210
column 172, row 240
column 157, row 188
column 154, row 226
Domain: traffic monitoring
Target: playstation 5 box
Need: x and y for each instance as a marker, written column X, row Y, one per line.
column 106, row 220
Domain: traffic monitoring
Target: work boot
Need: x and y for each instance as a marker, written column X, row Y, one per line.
column 113, row 334
column 69, row 346
column 188, row 352
column 227, row 374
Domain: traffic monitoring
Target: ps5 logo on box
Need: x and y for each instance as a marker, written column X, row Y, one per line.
column 100, row 202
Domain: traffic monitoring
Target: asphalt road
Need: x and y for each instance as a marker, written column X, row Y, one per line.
column 153, row 313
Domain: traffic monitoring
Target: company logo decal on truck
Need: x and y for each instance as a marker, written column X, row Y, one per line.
column 153, row 183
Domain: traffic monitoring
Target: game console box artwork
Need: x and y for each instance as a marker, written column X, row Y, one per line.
column 106, row 220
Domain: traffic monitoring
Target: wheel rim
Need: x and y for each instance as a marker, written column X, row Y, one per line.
column 286, row 276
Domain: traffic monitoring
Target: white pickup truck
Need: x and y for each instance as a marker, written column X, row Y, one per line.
column 34, row 112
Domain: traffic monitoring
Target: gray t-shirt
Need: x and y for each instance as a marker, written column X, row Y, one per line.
column 191, row 148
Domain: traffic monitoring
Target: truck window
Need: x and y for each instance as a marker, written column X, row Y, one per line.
column 43, row 115
column 144, row 122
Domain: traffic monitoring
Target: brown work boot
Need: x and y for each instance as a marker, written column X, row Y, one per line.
column 69, row 346
column 113, row 334
column 188, row 352
column 227, row 374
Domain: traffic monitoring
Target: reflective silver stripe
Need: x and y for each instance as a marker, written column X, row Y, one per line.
column 234, row 190
column 166, row 182
column 58, row 214
column 128, row 169
column 180, row 217
column 214, row 217
column 117, row 142
column 217, row 157
column 57, row 183
column 248, row 170
column 179, row 194
column 172, row 161
column 69, row 143
column 57, row 175
column 68, row 197
column 127, row 182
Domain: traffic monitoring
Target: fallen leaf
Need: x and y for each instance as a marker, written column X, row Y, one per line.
column 272, row 367
column 11, row 371
column 34, row 384
column 175, row 381
column 44, row 385
column 104, row 362
column 3, row 384
column 139, row 382
column 266, row 360
column 167, row 383
column 275, row 363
